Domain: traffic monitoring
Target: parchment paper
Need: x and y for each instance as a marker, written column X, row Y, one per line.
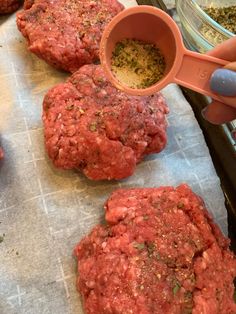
column 44, row 212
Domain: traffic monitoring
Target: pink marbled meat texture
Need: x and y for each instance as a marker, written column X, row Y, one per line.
column 9, row 6
column 159, row 252
column 91, row 126
column 66, row 33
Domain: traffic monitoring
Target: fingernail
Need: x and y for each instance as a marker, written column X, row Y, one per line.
column 233, row 134
column 223, row 82
column 203, row 112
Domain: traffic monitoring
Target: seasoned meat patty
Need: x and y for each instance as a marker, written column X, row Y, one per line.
column 9, row 6
column 66, row 33
column 91, row 126
column 159, row 253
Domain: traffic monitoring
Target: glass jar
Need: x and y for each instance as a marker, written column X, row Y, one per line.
column 200, row 32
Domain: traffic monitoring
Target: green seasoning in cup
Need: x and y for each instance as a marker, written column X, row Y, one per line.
column 137, row 64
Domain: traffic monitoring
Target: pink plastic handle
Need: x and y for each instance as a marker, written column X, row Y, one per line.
column 195, row 73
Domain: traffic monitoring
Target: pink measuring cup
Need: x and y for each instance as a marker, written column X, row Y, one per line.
column 184, row 67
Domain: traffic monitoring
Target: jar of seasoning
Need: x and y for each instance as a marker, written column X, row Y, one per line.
column 206, row 23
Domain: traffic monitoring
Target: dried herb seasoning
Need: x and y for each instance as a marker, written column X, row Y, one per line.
column 180, row 205
column 93, row 127
column 176, row 288
column 69, row 107
column 139, row 246
column 137, row 64
column 225, row 16
column 151, row 248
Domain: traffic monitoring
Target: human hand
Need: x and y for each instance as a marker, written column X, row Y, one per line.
column 223, row 82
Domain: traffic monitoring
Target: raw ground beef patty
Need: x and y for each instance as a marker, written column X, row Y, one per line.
column 159, row 253
column 91, row 126
column 9, row 6
column 66, row 33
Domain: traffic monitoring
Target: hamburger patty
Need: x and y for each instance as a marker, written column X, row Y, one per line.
column 91, row 126
column 9, row 6
column 66, row 33
column 159, row 252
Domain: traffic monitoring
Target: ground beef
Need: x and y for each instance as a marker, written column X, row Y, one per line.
column 159, row 253
column 66, row 33
column 91, row 126
column 28, row 4
column 9, row 6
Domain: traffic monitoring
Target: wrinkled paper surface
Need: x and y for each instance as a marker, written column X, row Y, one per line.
column 44, row 212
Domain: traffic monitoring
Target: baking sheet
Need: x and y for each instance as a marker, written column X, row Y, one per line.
column 44, row 212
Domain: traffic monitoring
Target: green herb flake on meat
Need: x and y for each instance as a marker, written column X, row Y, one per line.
column 139, row 246
column 180, row 205
column 93, row 127
column 69, row 107
column 176, row 288
column 151, row 248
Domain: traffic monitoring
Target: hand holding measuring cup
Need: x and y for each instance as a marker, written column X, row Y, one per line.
column 184, row 67
column 223, row 81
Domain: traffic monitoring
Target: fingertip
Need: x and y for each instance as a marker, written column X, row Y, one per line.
column 218, row 113
column 204, row 113
column 233, row 134
column 207, row 115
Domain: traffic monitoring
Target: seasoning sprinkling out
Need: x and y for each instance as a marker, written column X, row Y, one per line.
column 225, row 16
column 137, row 64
